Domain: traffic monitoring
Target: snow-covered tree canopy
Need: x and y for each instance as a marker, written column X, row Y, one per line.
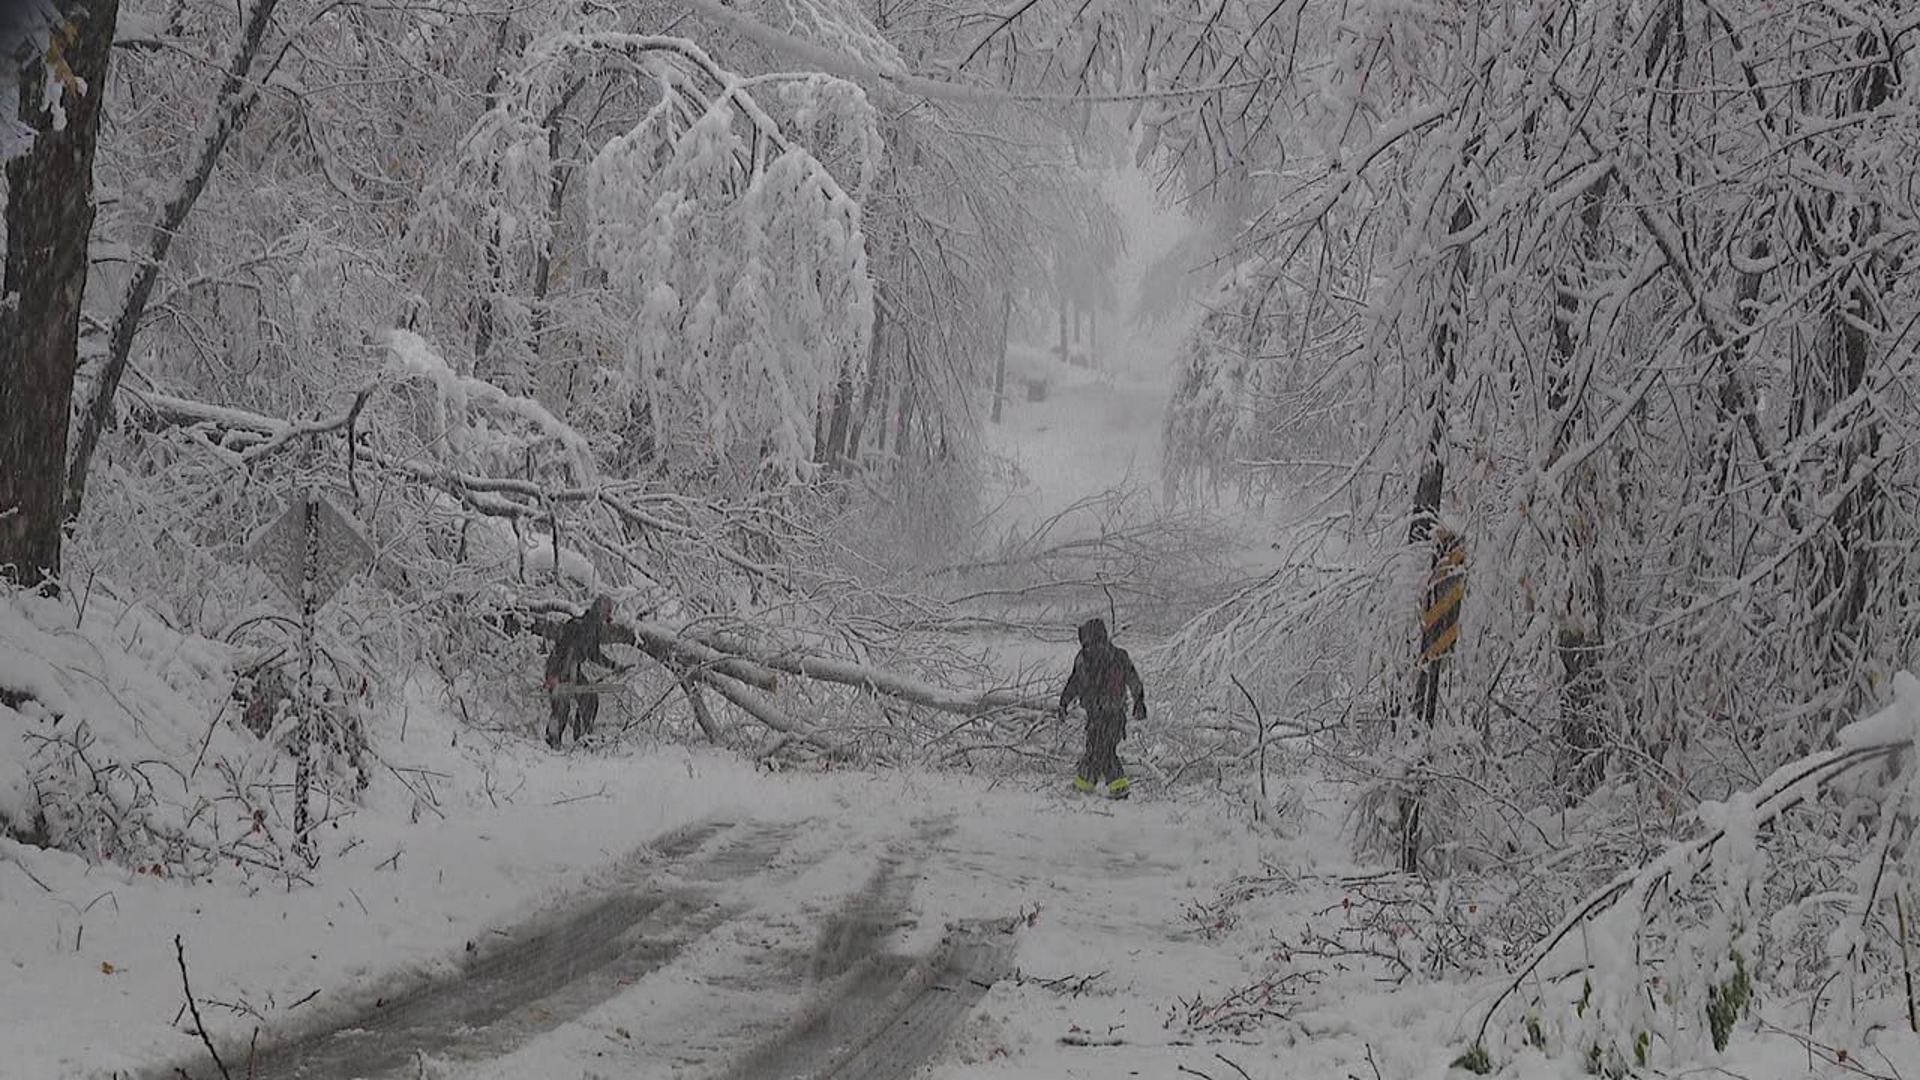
column 729, row 255
column 728, row 261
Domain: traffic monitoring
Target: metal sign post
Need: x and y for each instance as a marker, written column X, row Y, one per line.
column 303, row 702
column 310, row 551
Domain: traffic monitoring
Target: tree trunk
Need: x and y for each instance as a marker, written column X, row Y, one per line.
column 49, row 217
column 903, row 422
column 558, row 177
column 874, row 395
column 1582, row 633
column 1000, row 369
column 832, row 449
column 1449, row 330
column 483, row 316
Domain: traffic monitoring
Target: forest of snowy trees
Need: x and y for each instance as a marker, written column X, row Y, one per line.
column 1596, row 309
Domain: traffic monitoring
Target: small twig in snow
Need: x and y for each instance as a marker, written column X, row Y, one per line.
column 208, row 739
column 1069, row 985
column 601, row 794
column 180, row 954
column 1260, row 723
column 1371, row 1063
column 1235, row 1066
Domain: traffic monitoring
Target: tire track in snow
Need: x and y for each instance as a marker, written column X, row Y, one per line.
column 878, row 1015
column 556, row 970
column 931, row 999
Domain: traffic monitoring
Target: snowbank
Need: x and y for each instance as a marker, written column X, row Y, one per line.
column 110, row 740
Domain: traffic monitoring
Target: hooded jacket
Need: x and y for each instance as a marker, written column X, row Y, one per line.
column 578, row 641
column 1102, row 676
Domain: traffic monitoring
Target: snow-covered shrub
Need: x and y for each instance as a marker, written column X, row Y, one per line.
column 1791, row 896
column 118, row 743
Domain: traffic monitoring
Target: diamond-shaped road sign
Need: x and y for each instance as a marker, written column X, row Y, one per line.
column 281, row 549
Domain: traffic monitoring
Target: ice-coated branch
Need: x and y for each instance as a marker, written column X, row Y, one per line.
column 749, row 701
column 681, row 653
column 411, row 357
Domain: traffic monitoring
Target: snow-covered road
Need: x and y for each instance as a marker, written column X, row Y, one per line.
column 887, row 929
column 873, row 1013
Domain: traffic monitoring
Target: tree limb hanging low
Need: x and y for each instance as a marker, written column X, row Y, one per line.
column 732, row 659
column 674, row 652
column 253, row 435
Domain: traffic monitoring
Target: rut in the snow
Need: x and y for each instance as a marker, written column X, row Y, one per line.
column 877, row 1015
column 554, row 973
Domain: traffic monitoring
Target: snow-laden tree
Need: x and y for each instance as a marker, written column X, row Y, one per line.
column 656, row 290
column 729, row 260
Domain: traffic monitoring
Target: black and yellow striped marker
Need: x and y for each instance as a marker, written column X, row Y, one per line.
column 1446, row 589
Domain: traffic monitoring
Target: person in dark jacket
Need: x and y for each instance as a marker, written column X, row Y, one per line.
column 576, row 643
column 1103, row 676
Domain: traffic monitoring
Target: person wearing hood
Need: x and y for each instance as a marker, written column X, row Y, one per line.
column 1103, row 676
